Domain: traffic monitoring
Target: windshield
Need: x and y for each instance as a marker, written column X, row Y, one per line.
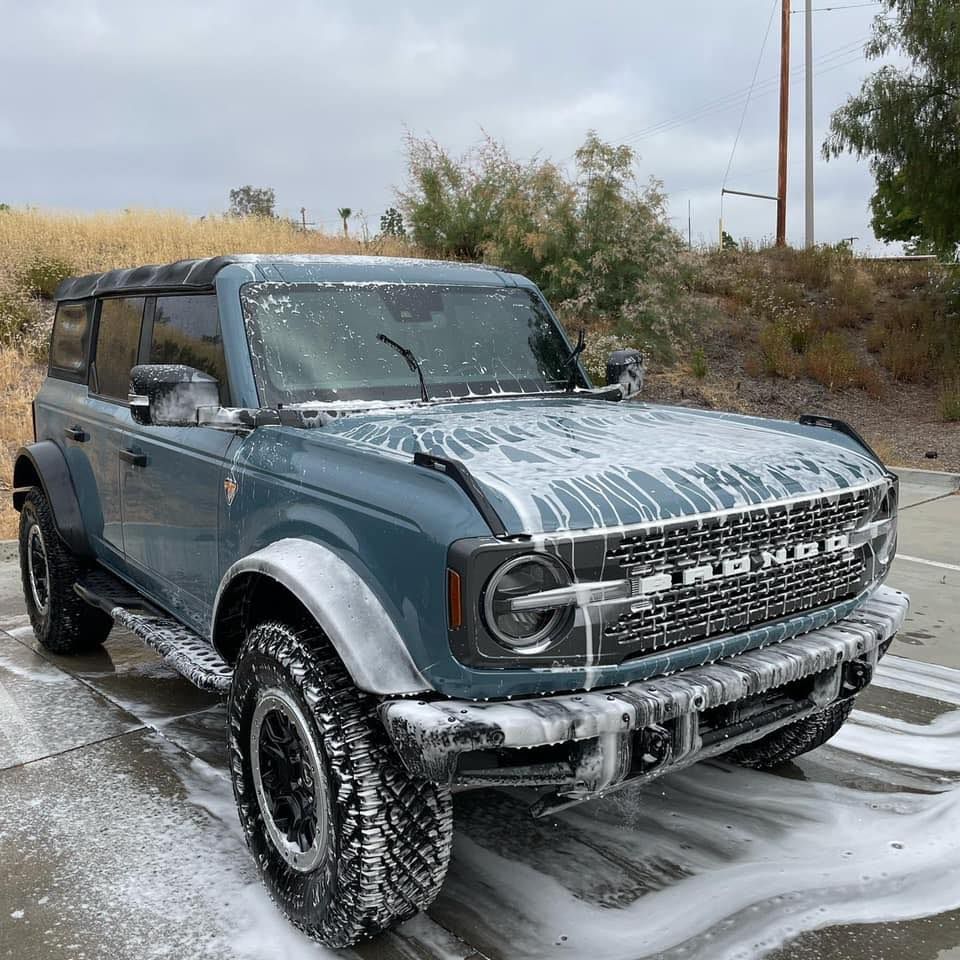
column 319, row 341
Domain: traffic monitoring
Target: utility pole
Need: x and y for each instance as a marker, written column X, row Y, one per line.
column 808, row 129
column 784, row 120
column 303, row 218
column 689, row 224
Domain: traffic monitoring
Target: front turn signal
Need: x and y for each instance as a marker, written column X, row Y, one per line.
column 454, row 605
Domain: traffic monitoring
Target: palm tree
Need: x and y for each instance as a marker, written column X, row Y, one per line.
column 345, row 213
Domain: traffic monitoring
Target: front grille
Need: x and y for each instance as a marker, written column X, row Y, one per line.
column 714, row 606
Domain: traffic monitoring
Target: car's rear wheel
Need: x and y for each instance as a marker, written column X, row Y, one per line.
column 61, row 621
column 347, row 842
column 794, row 740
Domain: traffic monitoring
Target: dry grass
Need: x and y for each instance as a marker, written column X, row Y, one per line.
column 950, row 400
column 86, row 244
column 20, row 379
column 38, row 249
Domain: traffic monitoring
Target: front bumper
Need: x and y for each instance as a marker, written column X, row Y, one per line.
column 639, row 730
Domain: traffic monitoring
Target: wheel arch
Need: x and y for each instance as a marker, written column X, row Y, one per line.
column 302, row 576
column 43, row 465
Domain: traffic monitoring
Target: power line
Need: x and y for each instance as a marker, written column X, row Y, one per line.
column 844, row 6
column 734, row 99
column 746, row 103
column 749, row 173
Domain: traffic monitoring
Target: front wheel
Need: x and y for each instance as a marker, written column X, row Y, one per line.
column 795, row 739
column 347, row 842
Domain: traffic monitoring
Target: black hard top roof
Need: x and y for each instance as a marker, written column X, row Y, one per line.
column 181, row 275
column 194, row 275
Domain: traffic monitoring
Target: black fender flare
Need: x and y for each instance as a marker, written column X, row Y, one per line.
column 43, row 464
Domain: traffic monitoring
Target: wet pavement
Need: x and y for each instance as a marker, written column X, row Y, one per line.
column 118, row 836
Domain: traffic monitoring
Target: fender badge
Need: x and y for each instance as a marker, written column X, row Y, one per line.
column 230, row 489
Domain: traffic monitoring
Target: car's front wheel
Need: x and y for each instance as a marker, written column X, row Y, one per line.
column 795, row 739
column 347, row 842
column 61, row 621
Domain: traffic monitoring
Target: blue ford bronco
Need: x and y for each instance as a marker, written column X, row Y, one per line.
column 378, row 504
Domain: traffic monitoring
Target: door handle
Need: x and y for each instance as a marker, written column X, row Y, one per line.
column 76, row 433
column 133, row 457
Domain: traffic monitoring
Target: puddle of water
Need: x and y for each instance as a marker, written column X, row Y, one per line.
column 717, row 862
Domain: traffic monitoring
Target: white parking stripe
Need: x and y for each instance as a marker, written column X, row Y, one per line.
column 929, row 563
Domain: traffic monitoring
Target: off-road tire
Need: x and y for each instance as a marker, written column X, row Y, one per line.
column 389, row 834
column 67, row 624
column 791, row 741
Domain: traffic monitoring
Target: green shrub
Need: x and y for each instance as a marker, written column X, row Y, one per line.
column 776, row 354
column 698, row 364
column 598, row 243
column 42, row 275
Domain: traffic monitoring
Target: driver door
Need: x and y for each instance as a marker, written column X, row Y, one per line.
column 172, row 483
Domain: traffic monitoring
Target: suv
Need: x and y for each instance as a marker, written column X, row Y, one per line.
column 378, row 504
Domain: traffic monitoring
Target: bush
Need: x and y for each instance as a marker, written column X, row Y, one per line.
column 597, row 243
column 831, row 362
column 776, row 354
column 851, row 301
column 816, row 267
column 950, row 400
column 17, row 314
column 42, row 275
column 698, row 365
column 876, row 337
column 869, row 380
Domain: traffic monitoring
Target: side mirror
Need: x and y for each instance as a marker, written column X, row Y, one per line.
column 625, row 368
column 170, row 394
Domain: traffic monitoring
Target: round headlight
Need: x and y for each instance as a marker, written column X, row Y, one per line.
column 525, row 629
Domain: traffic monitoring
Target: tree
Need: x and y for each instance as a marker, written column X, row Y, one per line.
column 597, row 242
column 391, row 223
column 906, row 120
column 344, row 213
column 248, row 201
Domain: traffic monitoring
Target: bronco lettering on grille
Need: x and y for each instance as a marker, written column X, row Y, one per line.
column 738, row 566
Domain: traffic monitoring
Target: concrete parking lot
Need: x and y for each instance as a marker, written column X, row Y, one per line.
column 118, row 836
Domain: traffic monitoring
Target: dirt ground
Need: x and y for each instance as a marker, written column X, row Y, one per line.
column 902, row 425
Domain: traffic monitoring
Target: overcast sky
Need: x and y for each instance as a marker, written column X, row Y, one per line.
column 107, row 104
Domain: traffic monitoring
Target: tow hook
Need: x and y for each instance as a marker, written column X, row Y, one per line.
column 856, row 675
column 655, row 745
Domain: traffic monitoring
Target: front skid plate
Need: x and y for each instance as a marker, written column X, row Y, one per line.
column 430, row 735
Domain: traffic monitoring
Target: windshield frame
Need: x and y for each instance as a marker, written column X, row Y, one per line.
column 270, row 397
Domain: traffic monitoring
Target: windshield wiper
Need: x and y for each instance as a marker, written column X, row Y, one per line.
column 412, row 362
column 571, row 361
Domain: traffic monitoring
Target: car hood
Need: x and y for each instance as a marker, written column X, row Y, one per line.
column 554, row 464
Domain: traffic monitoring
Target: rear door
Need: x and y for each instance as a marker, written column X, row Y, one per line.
column 104, row 413
column 172, row 486
column 60, row 408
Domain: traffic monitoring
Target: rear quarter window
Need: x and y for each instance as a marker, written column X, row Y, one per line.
column 118, row 340
column 70, row 342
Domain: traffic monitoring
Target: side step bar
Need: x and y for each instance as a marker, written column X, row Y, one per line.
column 187, row 652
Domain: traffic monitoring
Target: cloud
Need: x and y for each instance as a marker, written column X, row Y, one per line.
column 171, row 104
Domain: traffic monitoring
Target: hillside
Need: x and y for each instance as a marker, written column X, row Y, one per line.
column 771, row 332
column 785, row 332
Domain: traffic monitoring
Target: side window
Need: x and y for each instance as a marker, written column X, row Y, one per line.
column 118, row 340
column 70, row 343
column 187, row 330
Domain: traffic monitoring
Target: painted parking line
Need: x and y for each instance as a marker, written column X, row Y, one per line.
column 929, row 563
